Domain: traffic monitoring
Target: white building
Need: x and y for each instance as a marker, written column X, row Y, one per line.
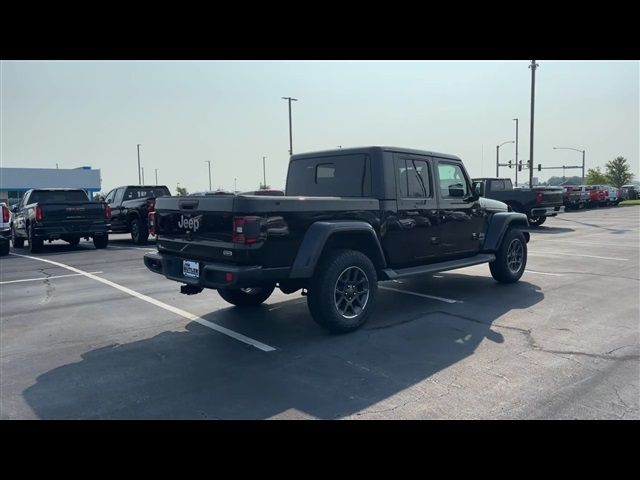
column 15, row 181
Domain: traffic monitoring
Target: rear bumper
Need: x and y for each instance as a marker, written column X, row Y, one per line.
column 214, row 275
column 82, row 230
column 546, row 211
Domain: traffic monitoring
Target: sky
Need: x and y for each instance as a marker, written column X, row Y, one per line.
column 183, row 113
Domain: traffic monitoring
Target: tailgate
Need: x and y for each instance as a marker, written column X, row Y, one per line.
column 196, row 227
column 551, row 196
column 73, row 212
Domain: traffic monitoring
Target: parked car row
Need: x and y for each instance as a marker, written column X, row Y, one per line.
column 587, row 196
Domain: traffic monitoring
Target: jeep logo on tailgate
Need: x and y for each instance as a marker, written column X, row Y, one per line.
column 189, row 223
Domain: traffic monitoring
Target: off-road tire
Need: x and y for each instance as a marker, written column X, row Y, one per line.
column 500, row 269
column 74, row 242
column 323, row 292
column 139, row 231
column 35, row 244
column 101, row 241
column 18, row 242
column 246, row 297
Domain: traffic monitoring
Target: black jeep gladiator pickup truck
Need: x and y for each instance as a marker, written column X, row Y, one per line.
column 350, row 218
column 537, row 203
column 130, row 207
column 59, row 213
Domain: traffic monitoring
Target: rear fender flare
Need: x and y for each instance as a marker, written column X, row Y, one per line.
column 317, row 237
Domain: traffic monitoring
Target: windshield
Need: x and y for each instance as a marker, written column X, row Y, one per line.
column 58, row 196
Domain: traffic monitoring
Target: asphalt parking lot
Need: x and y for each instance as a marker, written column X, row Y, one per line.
column 95, row 335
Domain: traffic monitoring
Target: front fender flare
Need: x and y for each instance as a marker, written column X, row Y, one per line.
column 499, row 224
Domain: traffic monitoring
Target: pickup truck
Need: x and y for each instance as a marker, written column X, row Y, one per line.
column 596, row 195
column 59, row 213
column 537, row 203
column 130, row 207
column 5, row 229
column 574, row 198
column 349, row 218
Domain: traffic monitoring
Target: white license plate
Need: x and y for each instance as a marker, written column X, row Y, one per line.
column 190, row 269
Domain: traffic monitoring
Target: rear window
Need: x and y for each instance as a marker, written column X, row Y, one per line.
column 61, row 196
column 141, row 192
column 332, row 176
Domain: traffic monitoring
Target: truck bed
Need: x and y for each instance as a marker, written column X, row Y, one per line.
column 202, row 227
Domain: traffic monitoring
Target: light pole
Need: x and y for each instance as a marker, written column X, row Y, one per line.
column 516, row 120
column 498, row 156
column 142, row 176
column 156, row 176
column 575, row 150
column 290, row 133
column 139, row 176
column 235, row 185
column 533, row 67
column 264, row 173
column 209, row 162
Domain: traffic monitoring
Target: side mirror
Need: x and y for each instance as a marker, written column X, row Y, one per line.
column 14, row 209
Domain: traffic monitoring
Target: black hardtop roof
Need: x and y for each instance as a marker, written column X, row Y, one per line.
column 376, row 148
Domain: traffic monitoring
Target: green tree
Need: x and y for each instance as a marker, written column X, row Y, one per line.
column 182, row 191
column 619, row 172
column 596, row 177
column 99, row 197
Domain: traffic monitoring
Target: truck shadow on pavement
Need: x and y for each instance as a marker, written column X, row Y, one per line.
column 548, row 230
column 593, row 225
column 199, row 374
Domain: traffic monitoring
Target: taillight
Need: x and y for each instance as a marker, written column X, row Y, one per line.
column 151, row 205
column 5, row 214
column 107, row 212
column 152, row 223
column 246, row 230
column 39, row 214
column 539, row 197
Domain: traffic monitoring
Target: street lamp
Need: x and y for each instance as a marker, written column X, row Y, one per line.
column 290, row 134
column 575, row 150
column 516, row 120
column 139, row 176
column 498, row 156
column 264, row 173
column 209, row 162
column 156, row 176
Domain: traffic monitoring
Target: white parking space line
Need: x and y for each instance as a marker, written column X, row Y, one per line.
column 189, row 316
column 621, row 245
column 45, row 278
column 117, row 247
column 545, row 273
column 440, row 299
column 543, row 254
